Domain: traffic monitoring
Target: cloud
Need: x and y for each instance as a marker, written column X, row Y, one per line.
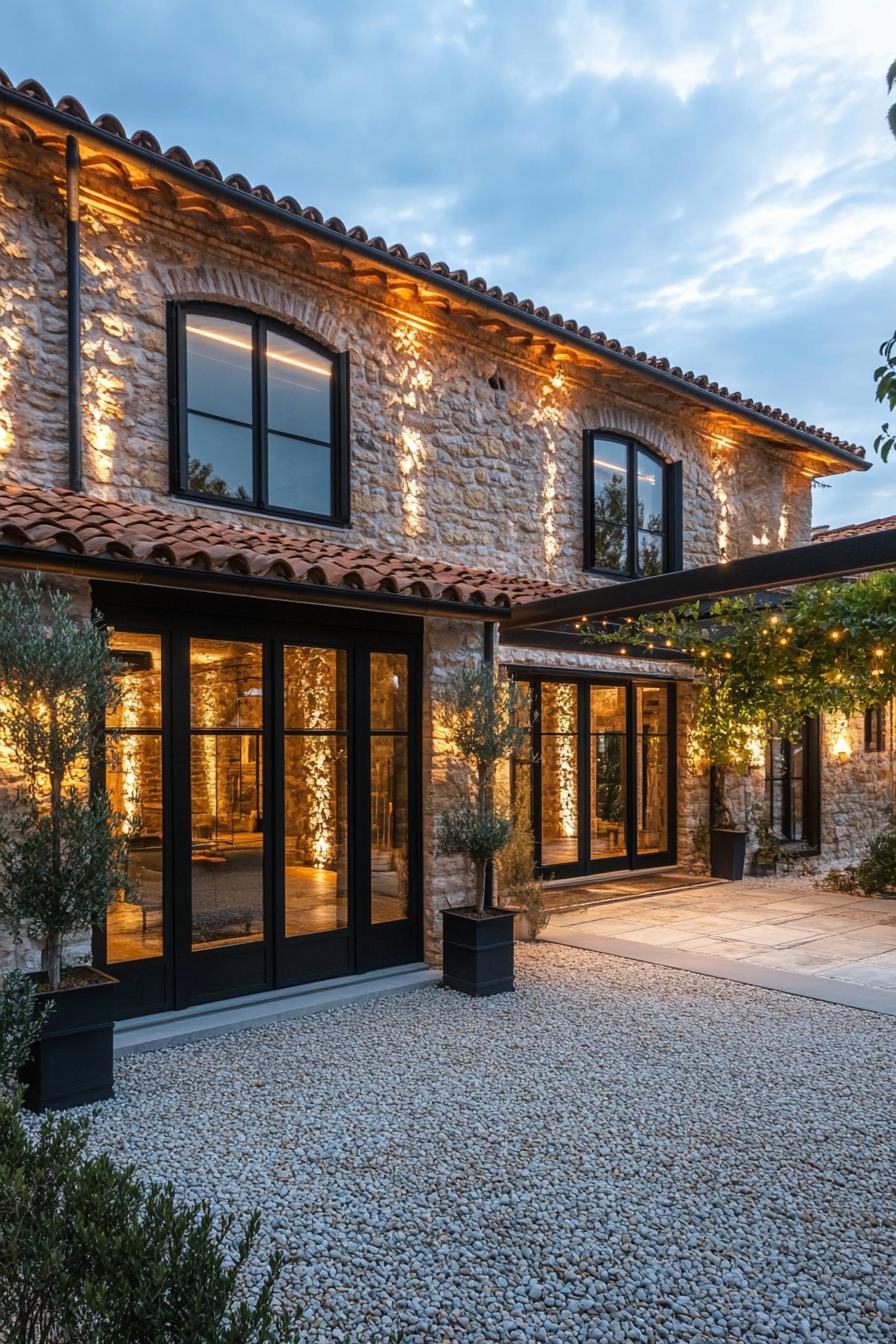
column 712, row 181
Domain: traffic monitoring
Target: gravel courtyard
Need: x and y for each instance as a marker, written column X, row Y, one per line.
column 618, row 1151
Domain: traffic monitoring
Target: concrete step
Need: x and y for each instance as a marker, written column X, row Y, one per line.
column 139, row 1034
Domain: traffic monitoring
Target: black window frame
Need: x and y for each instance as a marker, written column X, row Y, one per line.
column 672, row 505
column 875, row 735
column 810, row 779
column 340, row 484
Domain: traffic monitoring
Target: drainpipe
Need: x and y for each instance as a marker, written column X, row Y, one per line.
column 73, row 280
column 488, row 657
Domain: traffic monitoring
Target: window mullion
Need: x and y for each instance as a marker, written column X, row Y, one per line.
column 633, row 567
column 259, row 439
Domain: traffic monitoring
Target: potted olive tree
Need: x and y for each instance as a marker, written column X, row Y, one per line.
column 62, row 849
column 480, row 707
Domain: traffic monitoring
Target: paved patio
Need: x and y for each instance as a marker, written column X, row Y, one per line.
column 838, row 942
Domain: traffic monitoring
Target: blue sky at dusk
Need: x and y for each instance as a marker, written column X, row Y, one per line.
column 709, row 181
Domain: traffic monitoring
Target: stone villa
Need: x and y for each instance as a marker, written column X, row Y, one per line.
column 302, row 474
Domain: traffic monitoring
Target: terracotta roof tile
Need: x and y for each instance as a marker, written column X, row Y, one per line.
column 826, row 533
column 59, row 520
column 177, row 156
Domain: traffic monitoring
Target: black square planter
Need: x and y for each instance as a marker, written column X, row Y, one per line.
column 727, row 852
column 477, row 951
column 71, row 1062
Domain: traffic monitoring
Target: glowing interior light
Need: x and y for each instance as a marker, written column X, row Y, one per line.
column 275, row 355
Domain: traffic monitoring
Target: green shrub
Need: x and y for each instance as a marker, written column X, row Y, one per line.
column 89, row 1253
column 20, row 1024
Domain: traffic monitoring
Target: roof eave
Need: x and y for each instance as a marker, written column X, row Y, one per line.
column 786, row 434
column 227, row 583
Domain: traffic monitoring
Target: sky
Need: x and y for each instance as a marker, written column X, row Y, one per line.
column 711, row 181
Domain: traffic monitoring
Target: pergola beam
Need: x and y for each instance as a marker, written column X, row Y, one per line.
column 774, row 569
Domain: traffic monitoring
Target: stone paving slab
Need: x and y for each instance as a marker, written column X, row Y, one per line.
column 776, row 927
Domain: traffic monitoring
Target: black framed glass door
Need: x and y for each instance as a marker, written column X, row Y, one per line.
column 269, row 780
column 601, row 774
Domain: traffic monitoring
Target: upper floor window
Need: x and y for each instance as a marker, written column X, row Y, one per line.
column 259, row 415
column 632, row 508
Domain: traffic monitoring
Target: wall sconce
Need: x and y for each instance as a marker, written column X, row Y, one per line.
column 841, row 749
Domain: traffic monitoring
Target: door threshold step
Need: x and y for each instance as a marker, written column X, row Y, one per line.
column 139, row 1034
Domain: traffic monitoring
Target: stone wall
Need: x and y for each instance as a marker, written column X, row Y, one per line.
column 444, row 466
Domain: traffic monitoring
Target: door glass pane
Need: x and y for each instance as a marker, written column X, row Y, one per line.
column 388, row 692
column 134, row 781
column 652, row 769
column 315, row 791
column 316, row 840
column 219, row 366
column 227, row 840
column 608, row 755
column 139, row 680
column 299, row 475
column 225, row 684
column 388, row 828
column 313, row 689
column 559, row 774
column 299, row 383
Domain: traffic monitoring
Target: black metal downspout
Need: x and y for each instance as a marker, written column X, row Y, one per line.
column 73, row 281
column 488, row 657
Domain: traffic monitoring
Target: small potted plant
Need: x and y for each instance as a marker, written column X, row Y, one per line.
column 769, row 849
column 62, row 849
column 480, row 708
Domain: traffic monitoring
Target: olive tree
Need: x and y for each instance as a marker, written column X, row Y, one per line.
column 481, row 708
column 62, row 850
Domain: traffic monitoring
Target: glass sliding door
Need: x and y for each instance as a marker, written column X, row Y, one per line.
column 226, row 793
column 599, row 782
column 609, row 772
column 652, row 795
column 559, row 774
column 269, row 789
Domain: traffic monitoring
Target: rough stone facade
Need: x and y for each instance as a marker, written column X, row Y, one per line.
column 464, row 447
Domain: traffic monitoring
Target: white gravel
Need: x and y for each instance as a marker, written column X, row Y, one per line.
column 617, row 1151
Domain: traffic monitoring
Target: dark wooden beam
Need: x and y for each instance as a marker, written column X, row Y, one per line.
column 773, row 569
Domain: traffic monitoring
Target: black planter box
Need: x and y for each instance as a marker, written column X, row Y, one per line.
column 764, row 867
column 71, row 1063
column 727, row 852
column 478, row 951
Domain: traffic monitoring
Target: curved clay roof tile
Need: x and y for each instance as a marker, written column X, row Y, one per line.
column 32, row 89
column 146, row 140
column 72, row 108
column 209, row 168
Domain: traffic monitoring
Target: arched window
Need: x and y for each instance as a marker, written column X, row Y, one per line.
column 259, row 415
column 632, row 508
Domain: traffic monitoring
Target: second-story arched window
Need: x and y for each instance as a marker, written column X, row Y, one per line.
column 632, row 508
column 259, row 415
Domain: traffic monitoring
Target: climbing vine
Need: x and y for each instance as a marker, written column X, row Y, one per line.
column 823, row 648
